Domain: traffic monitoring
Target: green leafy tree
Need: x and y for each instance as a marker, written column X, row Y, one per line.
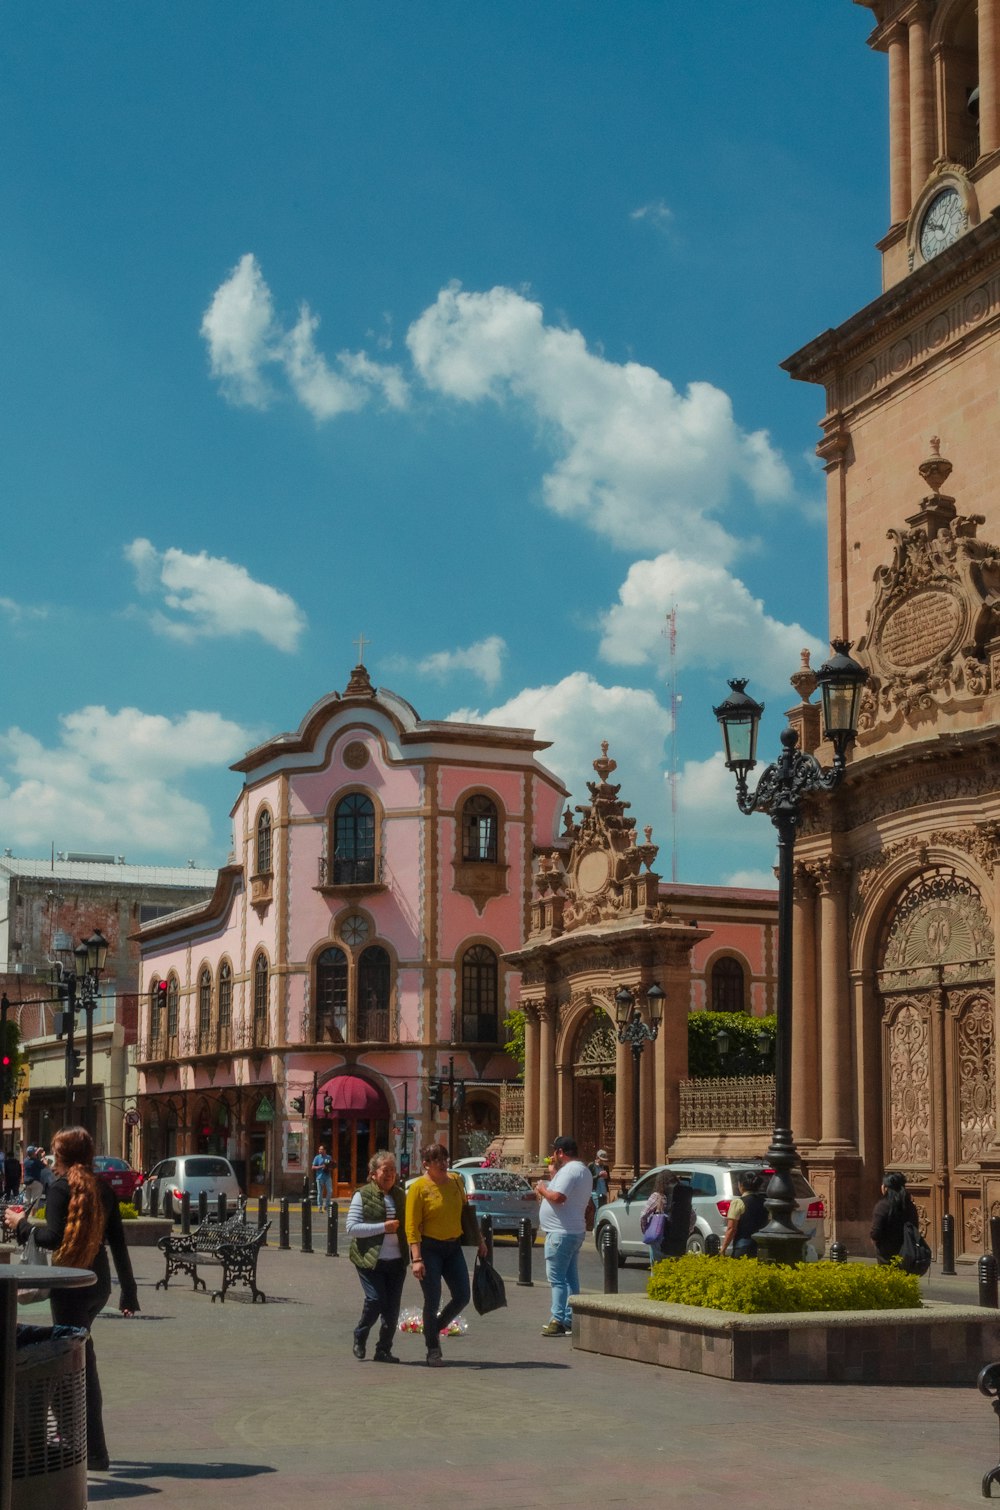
column 513, row 1025
column 743, row 1057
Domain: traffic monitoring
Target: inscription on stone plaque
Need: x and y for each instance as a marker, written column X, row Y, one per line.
column 920, row 629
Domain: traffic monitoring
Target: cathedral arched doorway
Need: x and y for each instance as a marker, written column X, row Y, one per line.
column 936, row 988
column 594, row 1084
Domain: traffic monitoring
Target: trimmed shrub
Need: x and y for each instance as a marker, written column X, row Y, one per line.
column 744, row 1057
column 747, row 1285
column 128, row 1211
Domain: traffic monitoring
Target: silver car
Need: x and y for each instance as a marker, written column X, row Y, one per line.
column 713, row 1186
column 193, row 1172
column 502, row 1194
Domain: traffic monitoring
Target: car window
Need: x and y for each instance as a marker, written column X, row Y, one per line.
column 701, row 1183
column 164, row 1171
column 643, row 1189
column 498, row 1179
column 204, row 1168
column 109, row 1163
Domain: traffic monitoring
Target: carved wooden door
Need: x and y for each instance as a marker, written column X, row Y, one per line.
column 594, row 1087
column 939, row 1057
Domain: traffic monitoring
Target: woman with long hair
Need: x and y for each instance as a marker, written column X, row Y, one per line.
column 892, row 1212
column 81, row 1215
column 434, row 1205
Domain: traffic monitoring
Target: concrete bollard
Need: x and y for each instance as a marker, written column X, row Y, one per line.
column 838, row 1252
column 987, row 1268
column 153, row 1198
column 222, row 1206
column 185, row 1212
column 283, row 1241
column 525, row 1238
column 202, row 1206
column 307, row 1226
column 948, row 1244
column 262, row 1215
column 713, row 1245
column 332, row 1234
column 609, row 1253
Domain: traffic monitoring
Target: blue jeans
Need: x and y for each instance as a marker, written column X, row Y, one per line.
column 442, row 1261
column 324, row 1191
column 562, row 1271
column 383, row 1287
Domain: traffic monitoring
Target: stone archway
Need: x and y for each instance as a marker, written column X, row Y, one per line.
column 593, row 1061
column 935, row 981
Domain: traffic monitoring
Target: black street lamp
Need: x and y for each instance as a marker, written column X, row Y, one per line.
column 637, row 1033
column 779, row 793
column 79, row 988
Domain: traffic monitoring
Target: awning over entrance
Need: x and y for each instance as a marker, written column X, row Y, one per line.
column 351, row 1097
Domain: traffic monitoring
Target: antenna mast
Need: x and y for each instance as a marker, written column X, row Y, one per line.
column 675, row 702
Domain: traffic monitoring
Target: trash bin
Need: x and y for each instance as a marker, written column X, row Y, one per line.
column 50, row 1419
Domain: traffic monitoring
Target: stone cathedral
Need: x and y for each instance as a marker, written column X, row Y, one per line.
column 898, row 876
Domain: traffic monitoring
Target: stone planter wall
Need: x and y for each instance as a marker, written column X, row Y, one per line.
column 939, row 1344
column 146, row 1231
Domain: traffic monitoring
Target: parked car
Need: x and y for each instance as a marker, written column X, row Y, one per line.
column 123, row 1179
column 193, row 1172
column 502, row 1194
column 713, row 1185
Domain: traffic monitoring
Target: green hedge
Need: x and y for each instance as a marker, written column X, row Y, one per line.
column 128, row 1211
column 744, row 1057
column 746, row 1284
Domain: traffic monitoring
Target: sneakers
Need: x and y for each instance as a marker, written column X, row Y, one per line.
column 383, row 1355
column 434, row 1359
column 358, row 1349
column 98, row 1462
column 555, row 1329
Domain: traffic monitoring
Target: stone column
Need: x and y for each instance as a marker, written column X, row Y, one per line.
column 531, row 1080
column 922, row 132
column 647, row 1108
column 623, row 1106
column 546, row 1077
column 899, row 127
column 805, row 1057
column 837, row 1101
column 989, row 75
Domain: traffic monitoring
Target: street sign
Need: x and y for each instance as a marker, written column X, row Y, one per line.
column 132, row 1119
column 265, row 1111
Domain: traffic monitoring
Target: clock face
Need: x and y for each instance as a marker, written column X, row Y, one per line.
column 943, row 223
column 354, row 930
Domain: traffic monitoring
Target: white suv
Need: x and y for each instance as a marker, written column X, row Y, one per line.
column 714, row 1186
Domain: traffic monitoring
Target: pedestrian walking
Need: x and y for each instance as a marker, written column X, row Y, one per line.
column 434, row 1225
column 563, row 1217
column 376, row 1223
column 322, row 1166
column 601, row 1170
column 81, row 1215
column 11, row 1174
column 892, row 1211
column 34, row 1168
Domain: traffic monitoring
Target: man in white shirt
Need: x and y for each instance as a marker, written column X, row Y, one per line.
column 563, row 1216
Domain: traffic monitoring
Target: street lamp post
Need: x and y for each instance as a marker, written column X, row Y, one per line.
column 79, row 988
column 779, row 792
column 634, row 1031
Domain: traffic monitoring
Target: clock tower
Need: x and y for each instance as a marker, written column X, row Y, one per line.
column 898, row 882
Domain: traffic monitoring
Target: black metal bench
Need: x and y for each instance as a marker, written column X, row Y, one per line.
column 232, row 1246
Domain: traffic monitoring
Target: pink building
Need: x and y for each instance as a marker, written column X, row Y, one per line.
column 351, row 954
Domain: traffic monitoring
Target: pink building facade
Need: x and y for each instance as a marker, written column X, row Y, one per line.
column 351, row 954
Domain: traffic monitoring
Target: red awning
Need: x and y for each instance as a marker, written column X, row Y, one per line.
column 351, row 1097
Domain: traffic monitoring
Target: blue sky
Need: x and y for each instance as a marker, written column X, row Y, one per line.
column 457, row 324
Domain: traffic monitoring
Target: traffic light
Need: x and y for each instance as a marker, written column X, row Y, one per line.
column 327, row 1104
column 298, row 1104
column 436, row 1093
column 459, row 1094
column 6, row 1079
column 74, row 1063
column 162, row 987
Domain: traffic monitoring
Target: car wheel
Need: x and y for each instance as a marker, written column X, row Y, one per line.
column 696, row 1243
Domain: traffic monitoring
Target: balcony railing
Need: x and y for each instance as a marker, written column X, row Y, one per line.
column 734, row 1105
column 340, row 872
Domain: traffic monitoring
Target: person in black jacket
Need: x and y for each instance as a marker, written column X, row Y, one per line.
column 892, row 1212
column 81, row 1215
column 746, row 1216
column 11, row 1174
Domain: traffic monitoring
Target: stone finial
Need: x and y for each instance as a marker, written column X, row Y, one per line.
column 604, row 766
column 937, row 468
column 804, row 680
column 360, row 683
column 648, row 831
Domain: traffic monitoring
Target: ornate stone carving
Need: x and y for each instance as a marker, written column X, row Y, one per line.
column 982, row 842
column 828, row 873
column 908, row 1061
column 596, row 1047
column 940, row 934
column 739, row 1105
column 936, row 608
column 976, row 1077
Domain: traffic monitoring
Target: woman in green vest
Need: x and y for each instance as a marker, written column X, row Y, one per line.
column 375, row 1223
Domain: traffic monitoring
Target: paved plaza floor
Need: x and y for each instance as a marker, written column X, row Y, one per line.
column 235, row 1405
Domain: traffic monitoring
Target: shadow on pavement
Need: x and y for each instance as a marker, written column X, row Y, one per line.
column 118, row 1485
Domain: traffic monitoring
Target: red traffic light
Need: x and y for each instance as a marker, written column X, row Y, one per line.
column 6, row 1061
column 161, row 986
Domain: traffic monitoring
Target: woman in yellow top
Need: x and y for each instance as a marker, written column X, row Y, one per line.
column 434, row 1204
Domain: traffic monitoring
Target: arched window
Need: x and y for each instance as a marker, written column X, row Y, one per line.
column 331, row 996
column 260, row 994
column 728, row 985
column 479, row 829
column 157, row 1026
column 354, row 841
column 225, row 1004
column 173, row 1012
column 374, row 977
column 205, row 1010
column 264, row 843
column 479, row 995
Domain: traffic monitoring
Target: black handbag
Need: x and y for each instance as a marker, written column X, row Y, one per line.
column 471, row 1235
column 488, row 1293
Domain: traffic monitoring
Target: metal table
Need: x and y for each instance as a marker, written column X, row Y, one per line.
column 12, row 1278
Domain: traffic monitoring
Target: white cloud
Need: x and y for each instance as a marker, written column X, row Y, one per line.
column 18, row 612
column 716, row 841
column 247, row 343
column 656, row 213
column 483, row 659
column 753, row 880
column 108, row 784
column 636, row 459
column 208, row 596
column 718, row 620
column 576, row 714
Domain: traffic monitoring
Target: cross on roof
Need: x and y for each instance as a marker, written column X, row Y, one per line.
column 361, row 642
